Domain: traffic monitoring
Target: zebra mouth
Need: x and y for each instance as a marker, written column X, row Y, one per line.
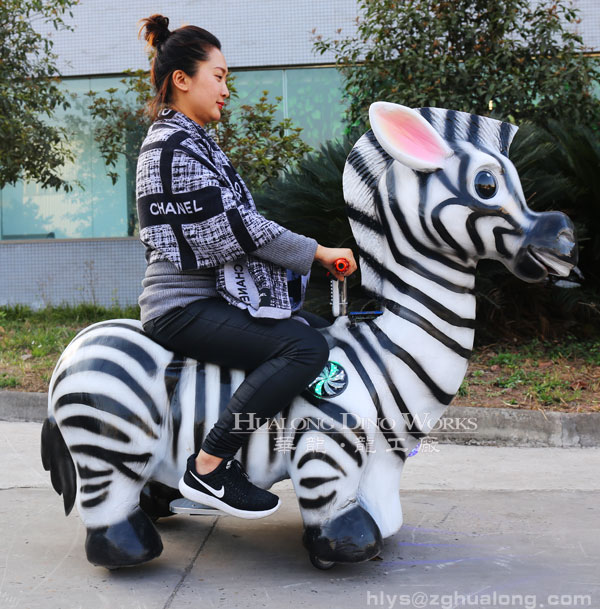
column 549, row 248
column 552, row 264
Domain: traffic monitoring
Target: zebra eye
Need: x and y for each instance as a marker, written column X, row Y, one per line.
column 485, row 184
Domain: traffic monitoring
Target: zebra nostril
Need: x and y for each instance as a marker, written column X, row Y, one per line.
column 553, row 233
column 566, row 234
column 567, row 244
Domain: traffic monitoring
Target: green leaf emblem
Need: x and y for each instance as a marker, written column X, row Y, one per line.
column 332, row 381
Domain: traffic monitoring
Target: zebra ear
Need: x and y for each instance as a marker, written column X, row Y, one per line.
column 408, row 137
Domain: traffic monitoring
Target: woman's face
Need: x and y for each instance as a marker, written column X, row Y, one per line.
column 201, row 97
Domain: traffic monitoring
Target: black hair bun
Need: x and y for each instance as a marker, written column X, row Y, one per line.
column 157, row 30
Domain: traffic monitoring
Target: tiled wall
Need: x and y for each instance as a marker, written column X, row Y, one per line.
column 252, row 32
column 589, row 28
column 52, row 272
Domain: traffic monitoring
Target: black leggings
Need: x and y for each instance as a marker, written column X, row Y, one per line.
column 281, row 356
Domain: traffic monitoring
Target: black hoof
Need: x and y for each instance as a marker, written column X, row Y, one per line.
column 351, row 537
column 125, row 544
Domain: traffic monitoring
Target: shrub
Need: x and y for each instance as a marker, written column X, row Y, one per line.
column 309, row 200
column 508, row 58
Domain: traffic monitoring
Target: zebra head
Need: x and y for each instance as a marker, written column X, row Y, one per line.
column 449, row 174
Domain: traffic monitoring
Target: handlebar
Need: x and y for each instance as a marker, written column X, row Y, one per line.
column 341, row 265
column 339, row 289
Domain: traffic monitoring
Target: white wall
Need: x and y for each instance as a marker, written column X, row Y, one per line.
column 252, row 32
column 104, row 272
column 589, row 28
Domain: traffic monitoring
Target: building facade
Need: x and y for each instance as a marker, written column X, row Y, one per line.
column 268, row 45
column 76, row 247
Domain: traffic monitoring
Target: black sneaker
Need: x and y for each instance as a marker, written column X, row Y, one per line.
column 227, row 488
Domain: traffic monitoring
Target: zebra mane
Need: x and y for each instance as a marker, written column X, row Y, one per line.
column 481, row 131
column 364, row 167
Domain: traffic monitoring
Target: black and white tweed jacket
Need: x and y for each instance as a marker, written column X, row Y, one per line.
column 196, row 212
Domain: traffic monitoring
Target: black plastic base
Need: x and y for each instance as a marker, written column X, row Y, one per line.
column 155, row 499
column 352, row 537
column 125, row 544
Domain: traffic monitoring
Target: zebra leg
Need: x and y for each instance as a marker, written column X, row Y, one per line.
column 131, row 541
column 353, row 536
column 379, row 488
column 106, row 492
column 326, row 468
column 110, row 478
column 119, row 532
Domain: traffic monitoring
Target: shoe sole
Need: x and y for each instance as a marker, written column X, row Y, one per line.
column 205, row 499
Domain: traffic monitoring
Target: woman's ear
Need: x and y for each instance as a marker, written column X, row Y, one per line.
column 180, row 80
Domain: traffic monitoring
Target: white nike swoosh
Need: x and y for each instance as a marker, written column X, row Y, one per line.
column 218, row 493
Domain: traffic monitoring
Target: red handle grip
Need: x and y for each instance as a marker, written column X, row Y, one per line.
column 341, row 265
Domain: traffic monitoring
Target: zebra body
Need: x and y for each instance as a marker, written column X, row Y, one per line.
column 429, row 192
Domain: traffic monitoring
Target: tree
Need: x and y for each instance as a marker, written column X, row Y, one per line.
column 258, row 147
column 30, row 148
column 507, row 58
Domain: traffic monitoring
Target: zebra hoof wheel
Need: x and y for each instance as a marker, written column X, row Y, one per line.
column 319, row 563
column 127, row 543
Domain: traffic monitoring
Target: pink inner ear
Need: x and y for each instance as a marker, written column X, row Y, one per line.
column 408, row 134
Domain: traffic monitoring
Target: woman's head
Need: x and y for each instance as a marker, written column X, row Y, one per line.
column 188, row 70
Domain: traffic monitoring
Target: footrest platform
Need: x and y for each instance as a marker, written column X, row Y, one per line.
column 186, row 506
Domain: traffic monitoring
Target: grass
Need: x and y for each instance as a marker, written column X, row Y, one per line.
column 542, row 375
column 561, row 376
column 31, row 341
column 7, row 382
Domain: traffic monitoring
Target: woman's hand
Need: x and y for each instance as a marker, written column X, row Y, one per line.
column 327, row 256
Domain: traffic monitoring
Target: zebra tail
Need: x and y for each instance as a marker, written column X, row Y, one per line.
column 57, row 459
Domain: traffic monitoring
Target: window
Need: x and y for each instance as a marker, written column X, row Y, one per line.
column 312, row 98
column 97, row 208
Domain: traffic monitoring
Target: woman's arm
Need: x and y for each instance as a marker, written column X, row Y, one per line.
column 291, row 251
column 297, row 252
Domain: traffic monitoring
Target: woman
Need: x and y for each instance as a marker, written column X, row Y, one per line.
column 215, row 286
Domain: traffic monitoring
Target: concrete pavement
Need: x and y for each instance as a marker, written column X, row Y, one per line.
column 512, row 527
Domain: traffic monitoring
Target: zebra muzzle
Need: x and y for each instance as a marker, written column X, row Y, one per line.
column 549, row 248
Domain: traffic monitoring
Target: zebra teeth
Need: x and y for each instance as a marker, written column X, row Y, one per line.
column 552, row 264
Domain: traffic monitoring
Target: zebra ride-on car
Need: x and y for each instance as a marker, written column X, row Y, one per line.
column 429, row 192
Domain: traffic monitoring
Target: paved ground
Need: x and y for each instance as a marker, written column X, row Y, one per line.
column 512, row 527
